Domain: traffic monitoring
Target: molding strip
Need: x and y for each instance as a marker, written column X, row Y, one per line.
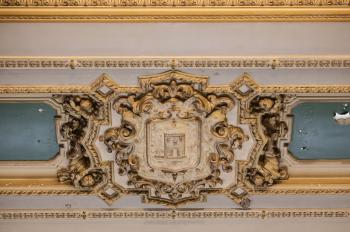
column 231, row 62
column 173, row 3
column 304, row 12
column 82, row 214
column 300, row 186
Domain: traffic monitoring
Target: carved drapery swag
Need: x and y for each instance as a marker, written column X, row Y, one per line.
column 174, row 142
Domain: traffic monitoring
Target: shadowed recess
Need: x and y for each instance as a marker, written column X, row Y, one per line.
column 318, row 134
column 27, row 131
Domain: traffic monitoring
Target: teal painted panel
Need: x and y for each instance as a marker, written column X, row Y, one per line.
column 27, row 131
column 316, row 135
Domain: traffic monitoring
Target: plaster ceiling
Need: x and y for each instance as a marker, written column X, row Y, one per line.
column 177, row 39
column 219, row 76
column 174, row 39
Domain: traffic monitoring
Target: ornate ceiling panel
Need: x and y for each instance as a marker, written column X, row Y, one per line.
column 208, row 142
column 174, row 139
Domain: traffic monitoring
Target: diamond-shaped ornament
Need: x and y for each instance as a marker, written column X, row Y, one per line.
column 244, row 89
column 104, row 90
column 110, row 191
column 239, row 192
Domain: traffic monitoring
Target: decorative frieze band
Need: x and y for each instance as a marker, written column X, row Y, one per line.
column 173, row 3
column 6, row 214
column 173, row 62
column 282, row 14
column 308, row 189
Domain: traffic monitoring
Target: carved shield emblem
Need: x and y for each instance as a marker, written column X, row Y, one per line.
column 173, row 145
column 174, row 140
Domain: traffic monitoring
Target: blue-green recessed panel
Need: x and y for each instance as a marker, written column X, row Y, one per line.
column 316, row 135
column 27, row 131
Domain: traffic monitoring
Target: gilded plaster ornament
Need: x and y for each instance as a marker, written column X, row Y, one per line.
column 80, row 171
column 174, row 141
column 267, row 170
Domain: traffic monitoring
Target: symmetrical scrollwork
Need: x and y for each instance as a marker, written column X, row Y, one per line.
column 80, row 171
column 174, row 143
column 174, row 140
column 269, row 109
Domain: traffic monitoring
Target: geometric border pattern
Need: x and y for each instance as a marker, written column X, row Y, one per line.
column 173, row 3
column 220, row 62
column 105, row 80
column 90, row 214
